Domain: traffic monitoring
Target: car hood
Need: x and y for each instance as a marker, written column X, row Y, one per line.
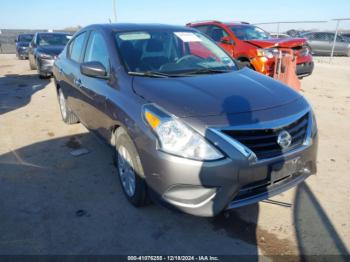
column 50, row 49
column 275, row 42
column 205, row 95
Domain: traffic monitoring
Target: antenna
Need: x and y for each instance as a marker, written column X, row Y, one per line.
column 115, row 10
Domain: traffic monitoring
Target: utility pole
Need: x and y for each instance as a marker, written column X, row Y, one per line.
column 335, row 39
column 115, row 10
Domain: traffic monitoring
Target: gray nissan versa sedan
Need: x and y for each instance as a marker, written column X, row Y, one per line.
column 188, row 126
column 44, row 49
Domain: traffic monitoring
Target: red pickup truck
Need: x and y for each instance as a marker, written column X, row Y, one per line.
column 254, row 47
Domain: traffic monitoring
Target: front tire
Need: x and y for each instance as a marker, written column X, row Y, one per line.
column 246, row 64
column 129, row 169
column 31, row 66
column 67, row 115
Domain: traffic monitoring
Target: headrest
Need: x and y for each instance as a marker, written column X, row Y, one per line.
column 154, row 45
column 126, row 46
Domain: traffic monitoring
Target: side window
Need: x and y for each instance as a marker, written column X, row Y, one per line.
column 321, row 37
column 216, row 33
column 202, row 28
column 97, row 50
column 340, row 39
column 76, row 47
column 310, row 36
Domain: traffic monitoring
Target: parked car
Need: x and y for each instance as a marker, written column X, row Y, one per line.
column 255, row 47
column 22, row 43
column 43, row 51
column 188, row 127
column 296, row 33
column 346, row 36
column 321, row 43
column 279, row 35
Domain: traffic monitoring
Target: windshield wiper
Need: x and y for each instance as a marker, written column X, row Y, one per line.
column 206, row 71
column 149, row 74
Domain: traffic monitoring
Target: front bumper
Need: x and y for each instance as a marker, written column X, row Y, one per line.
column 45, row 66
column 208, row 188
column 22, row 52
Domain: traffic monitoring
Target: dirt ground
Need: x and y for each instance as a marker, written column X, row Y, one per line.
column 54, row 203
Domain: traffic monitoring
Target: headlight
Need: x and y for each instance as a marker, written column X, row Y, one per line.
column 305, row 51
column 44, row 56
column 269, row 53
column 177, row 138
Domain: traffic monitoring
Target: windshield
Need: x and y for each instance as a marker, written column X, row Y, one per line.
column 25, row 38
column 53, row 39
column 171, row 52
column 248, row 32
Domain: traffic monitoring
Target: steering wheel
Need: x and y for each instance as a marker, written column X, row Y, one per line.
column 188, row 58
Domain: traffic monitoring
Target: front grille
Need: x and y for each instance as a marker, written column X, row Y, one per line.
column 263, row 142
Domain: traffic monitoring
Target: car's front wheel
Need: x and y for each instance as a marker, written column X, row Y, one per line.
column 129, row 169
column 67, row 115
column 31, row 66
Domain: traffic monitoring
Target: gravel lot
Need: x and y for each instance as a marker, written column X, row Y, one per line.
column 54, row 203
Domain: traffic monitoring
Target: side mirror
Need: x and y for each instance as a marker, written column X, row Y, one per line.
column 226, row 40
column 240, row 64
column 16, row 41
column 93, row 69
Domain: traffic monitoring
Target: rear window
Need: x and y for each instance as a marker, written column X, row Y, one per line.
column 25, row 38
column 53, row 39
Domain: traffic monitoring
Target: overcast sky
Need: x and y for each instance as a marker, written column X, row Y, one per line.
column 57, row 14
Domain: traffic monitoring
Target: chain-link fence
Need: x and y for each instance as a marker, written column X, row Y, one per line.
column 325, row 38
column 8, row 37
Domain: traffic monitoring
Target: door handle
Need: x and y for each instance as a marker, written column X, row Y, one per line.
column 77, row 83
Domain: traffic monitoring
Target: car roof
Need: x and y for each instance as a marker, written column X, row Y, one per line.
column 219, row 22
column 53, row 33
column 133, row 27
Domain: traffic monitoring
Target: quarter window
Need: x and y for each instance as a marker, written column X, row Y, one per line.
column 97, row 50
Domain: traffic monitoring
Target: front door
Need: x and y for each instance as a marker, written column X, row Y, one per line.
column 96, row 90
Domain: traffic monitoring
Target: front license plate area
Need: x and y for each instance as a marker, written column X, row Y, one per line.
column 284, row 169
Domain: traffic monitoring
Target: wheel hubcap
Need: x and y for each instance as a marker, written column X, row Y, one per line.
column 63, row 105
column 126, row 171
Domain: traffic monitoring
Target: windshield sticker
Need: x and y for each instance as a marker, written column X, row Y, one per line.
column 188, row 37
column 135, row 36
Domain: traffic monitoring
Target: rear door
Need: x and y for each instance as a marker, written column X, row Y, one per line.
column 96, row 90
column 69, row 71
column 319, row 43
column 324, row 42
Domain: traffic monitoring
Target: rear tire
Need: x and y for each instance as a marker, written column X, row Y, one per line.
column 67, row 115
column 129, row 169
column 31, row 66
